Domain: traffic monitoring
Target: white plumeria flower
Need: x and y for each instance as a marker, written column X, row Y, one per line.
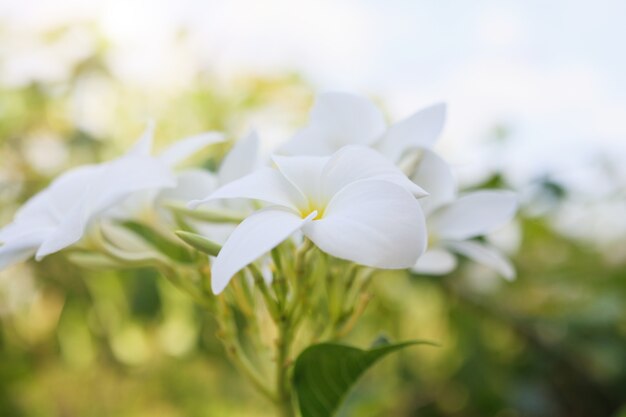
column 240, row 161
column 60, row 215
column 145, row 201
column 193, row 184
column 340, row 119
column 354, row 205
column 452, row 221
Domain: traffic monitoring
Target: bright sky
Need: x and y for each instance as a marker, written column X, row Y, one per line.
column 553, row 72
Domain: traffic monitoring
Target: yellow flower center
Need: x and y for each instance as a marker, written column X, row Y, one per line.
column 310, row 209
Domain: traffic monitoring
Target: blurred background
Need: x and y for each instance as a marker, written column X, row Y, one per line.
column 537, row 103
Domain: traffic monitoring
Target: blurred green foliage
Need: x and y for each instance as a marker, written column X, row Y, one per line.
column 128, row 344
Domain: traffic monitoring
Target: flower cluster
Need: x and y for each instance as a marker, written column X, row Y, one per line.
column 360, row 190
column 306, row 228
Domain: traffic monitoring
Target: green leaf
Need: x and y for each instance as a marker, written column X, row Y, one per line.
column 160, row 242
column 325, row 373
column 199, row 242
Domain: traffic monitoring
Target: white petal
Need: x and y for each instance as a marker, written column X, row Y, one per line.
column 185, row 148
column 264, row 184
column 420, row 130
column 375, row 223
column 143, row 147
column 10, row 255
column 304, row 172
column 435, row 261
column 114, row 182
column 70, row 230
column 434, row 175
column 134, row 206
column 311, row 140
column 255, row 236
column 19, row 228
column 41, row 216
column 190, row 184
column 355, row 163
column 9, row 231
column 473, row 215
column 125, row 176
column 20, row 249
column 485, row 255
column 56, row 200
column 241, row 160
column 348, row 118
column 338, row 119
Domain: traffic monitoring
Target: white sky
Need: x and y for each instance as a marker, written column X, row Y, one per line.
column 554, row 72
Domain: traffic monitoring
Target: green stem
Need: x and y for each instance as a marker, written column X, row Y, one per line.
column 283, row 387
column 234, row 350
column 285, row 409
column 238, row 358
column 287, row 324
column 270, row 302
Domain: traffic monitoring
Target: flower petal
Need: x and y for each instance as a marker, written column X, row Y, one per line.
column 11, row 255
column 338, row 119
column 355, row 163
column 115, row 181
column 70, row 230
column 255, row 236
column 435, row 261
column 241, row 160
column 434, row 175
column 26, row 226
column 8, row 232
column 304, row 172
column 41, row 216
column 420, row 130
column 58, row 198
column 125, row 176
column 190, row 184
column 351, row 119
column 311, row 140
column 20, row 249
column 375, row 223
column 143, row 147
column 185, row 148
column 264, row 184
column 486, row 255
column 473, row 215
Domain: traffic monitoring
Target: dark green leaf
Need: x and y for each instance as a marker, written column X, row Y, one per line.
column 325, row 373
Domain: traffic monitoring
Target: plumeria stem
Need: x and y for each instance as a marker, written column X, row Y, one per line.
column 357, row 302
column 234, row 350
column 282, row 368
column 235, row 353
column 270, row 302
column 183, row 284
column 287, row 324
column 299, row 281
column 359, row 309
